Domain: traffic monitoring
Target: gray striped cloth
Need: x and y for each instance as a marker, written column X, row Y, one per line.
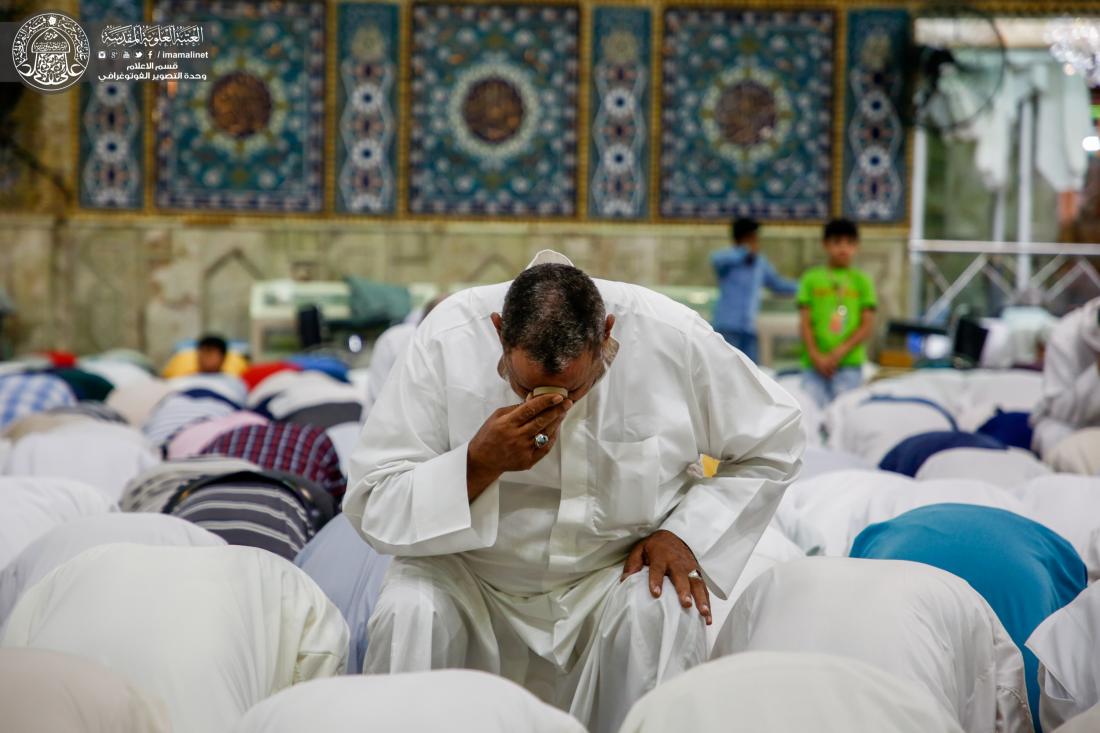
column 151, row 490
column 253, row 513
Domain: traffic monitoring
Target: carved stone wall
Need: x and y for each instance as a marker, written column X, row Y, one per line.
column 93, row 284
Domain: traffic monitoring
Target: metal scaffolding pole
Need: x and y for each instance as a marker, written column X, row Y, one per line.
column 1023, row 210
column 918, row 203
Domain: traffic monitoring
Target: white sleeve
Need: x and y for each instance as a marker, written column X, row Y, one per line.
column 1070, row 394
column 753, row 428
column 407, row 483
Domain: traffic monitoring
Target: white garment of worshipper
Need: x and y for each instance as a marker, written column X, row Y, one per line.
column 812, row 415
column 452, row 700
column 1086, row 722
column 872, row 426
column 271, row 387
column 104, row 455
column 817, row 461
column 47, row 692
column 118, row 373
column 772, row 549
column 912, row 620
column 30, row 506
column 345, row 439
column 66, row 541
column 135, row 401
column 211, row 631
column 389, row 347
column 525, row 581
column 309, row 389
column 228, row 386
column 775, row 692
column 827, row 512
column 350, row 573
column 1079, row 453
column 1069, row 505
column 1069, row 667
column 1071, row 380
column 1004, row 468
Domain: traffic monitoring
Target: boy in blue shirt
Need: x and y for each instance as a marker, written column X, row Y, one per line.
column 741, row 271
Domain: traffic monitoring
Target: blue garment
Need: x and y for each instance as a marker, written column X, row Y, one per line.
column 910, row 454
column 743, row 341
column 824, row 389
column 317, row 363
column 22, row 394
column 350, row 573
column 740, row 277
column 1023, row 570
column 1011, row 428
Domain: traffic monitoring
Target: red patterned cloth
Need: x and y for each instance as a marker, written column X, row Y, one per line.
column 303, row 450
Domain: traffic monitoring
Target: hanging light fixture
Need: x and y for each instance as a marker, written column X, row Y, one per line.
column 1075, row 42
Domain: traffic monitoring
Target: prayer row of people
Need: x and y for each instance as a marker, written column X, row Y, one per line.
column 526, row 498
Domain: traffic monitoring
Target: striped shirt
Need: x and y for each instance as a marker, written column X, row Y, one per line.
column 253, row 513
column 150, row 491
column 299, row 449
column 22, row 394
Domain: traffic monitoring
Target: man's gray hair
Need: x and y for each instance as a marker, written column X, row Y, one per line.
column 554, row 313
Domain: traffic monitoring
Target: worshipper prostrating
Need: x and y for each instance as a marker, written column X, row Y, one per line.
column 456, row 701
column 776, row 692
column 914, row 621
column 350, row 573
column 523, row 521
column 48, row 692
column 1023, row 570
column 211, row 631
column 64, row 542
column 1066, row 646
column 30, row 506
column 1070, row 404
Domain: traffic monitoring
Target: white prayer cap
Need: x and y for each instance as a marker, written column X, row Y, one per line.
column 549, row 256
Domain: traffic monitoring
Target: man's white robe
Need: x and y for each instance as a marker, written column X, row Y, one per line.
column 524, row 581
column 1071, row 380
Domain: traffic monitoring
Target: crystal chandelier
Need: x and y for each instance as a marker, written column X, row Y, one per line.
column 1075, row 42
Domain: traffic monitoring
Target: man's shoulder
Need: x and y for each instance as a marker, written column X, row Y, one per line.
column 646, row 306
column 861, row 277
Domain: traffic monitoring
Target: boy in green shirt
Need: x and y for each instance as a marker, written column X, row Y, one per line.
column 837, row 306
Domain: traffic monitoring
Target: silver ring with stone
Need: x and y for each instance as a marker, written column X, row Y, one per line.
column 541, row 440
column 694, row 575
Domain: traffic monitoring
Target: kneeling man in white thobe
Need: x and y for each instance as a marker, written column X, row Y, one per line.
column 532, row 463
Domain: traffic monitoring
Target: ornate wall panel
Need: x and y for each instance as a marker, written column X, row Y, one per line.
column 619, row 134
column 874, row 139
column 747, row 113
column 251, row 138
column 368, row 69
column 111, row 168
column 494, row 110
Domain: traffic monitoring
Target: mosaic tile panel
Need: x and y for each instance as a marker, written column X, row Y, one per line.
column 251, row 138
column 747, row 114
column 111, row 168
column 619, row 143
column 368, row 66
column 874, row 139
column 494, row 110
